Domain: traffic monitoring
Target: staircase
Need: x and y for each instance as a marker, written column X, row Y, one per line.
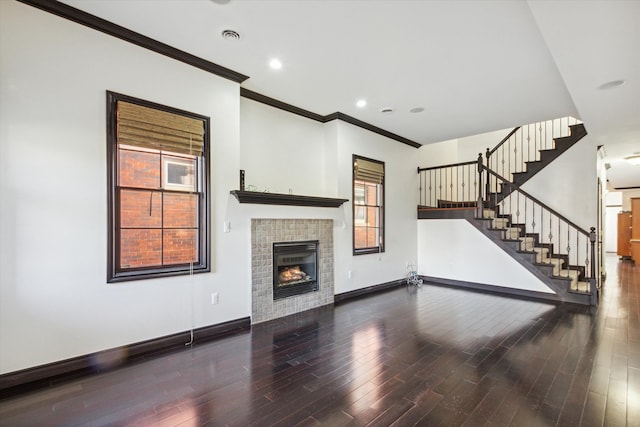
column 517, row 172
column 554, row 249
column 553, row 269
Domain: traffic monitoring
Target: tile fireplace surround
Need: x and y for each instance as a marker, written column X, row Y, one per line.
column 266, row 231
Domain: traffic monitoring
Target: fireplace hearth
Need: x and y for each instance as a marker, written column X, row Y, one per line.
column 295, row 268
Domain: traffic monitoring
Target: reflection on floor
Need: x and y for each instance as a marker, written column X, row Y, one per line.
column 428, row 356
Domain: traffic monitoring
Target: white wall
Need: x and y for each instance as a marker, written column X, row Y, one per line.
column 401, row 199
column 281, row 151
column 459, row 150
column 570, row 184
column 55, row 302
column 54, row 299
column 613, row 206
column 469, row 147
column 324, row 169
column 477, row 259
column 438, row 154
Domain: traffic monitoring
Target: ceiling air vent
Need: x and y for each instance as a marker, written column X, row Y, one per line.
column 230, row 35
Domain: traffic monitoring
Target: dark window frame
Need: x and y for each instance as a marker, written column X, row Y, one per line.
column 114, row 272
column 380, row 248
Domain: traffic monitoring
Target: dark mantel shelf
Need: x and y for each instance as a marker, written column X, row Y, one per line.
column 286, row 199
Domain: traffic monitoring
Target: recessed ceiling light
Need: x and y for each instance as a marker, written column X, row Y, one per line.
column 417, row 110
column 275, row 64
column 612, row 84
column 361, row 103
column 386, row 110
column 230, row 35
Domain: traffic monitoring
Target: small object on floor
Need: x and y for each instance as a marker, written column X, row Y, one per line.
column 412, row 276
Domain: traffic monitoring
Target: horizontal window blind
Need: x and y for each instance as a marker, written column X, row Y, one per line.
column 150, row 128
column 365, row 170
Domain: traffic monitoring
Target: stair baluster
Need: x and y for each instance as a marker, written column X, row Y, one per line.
column 539, row 229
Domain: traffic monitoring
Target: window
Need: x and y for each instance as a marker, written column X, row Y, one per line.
column 368, row 206
column 158, row 190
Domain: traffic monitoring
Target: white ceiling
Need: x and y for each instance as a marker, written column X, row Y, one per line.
column 474, row 66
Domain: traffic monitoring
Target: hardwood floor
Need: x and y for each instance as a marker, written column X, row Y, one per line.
column 430, row 356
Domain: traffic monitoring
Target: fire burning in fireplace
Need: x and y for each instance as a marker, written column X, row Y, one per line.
column 292, row 275
column 295, row 269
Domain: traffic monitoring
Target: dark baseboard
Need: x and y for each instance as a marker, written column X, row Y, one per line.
column 50, row 374
column 363, row 292
column 500, row 290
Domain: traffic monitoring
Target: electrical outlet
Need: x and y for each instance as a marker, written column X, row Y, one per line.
column 226, row 226
column 349, row 274
column 214, row 298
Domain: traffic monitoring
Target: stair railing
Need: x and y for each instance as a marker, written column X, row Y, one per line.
column 523, row 144
column 565, row 241
column 451, row 186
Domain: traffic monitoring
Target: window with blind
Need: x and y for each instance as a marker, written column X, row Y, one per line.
column 158, row 161
column 368, row 206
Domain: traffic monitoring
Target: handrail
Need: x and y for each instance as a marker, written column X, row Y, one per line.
column 544, row 205
column 557, row 241
column 452, row 185
column 524, row 145
column 447, row 166
column 505, row 139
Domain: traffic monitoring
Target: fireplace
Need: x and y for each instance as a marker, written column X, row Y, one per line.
column 266, row 231
column 295, row 268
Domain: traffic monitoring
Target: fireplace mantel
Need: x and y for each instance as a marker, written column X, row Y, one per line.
column 286, row 199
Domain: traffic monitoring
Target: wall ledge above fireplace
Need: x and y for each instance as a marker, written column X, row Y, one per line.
column 286, row 199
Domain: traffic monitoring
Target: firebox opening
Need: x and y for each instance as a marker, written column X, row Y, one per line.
column 295, row 269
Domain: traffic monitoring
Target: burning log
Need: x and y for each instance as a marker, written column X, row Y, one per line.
column 292, row 274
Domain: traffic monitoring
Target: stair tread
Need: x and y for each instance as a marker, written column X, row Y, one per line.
column 570, row 273
column 552, row 261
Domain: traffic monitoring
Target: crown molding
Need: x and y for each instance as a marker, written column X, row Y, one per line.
column 272, row 102
column 91, row 21
column 80, row 17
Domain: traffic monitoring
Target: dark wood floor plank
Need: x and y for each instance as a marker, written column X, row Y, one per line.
column 432, row 356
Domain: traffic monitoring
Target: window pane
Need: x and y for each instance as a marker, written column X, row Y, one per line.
column 178, row 173
column 372, row 216
column 180, row 246
column 360, row 237
column 180, row 210
column 358, row 193
column 139, row 169
column 372, row 237
column 368, row 209
column 359, row 215
column 140, row 248
column 371, row 197
column 140, row 209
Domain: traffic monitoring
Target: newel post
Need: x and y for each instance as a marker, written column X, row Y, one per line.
column 480, row 199
column 488, row 156
column 593, row 281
